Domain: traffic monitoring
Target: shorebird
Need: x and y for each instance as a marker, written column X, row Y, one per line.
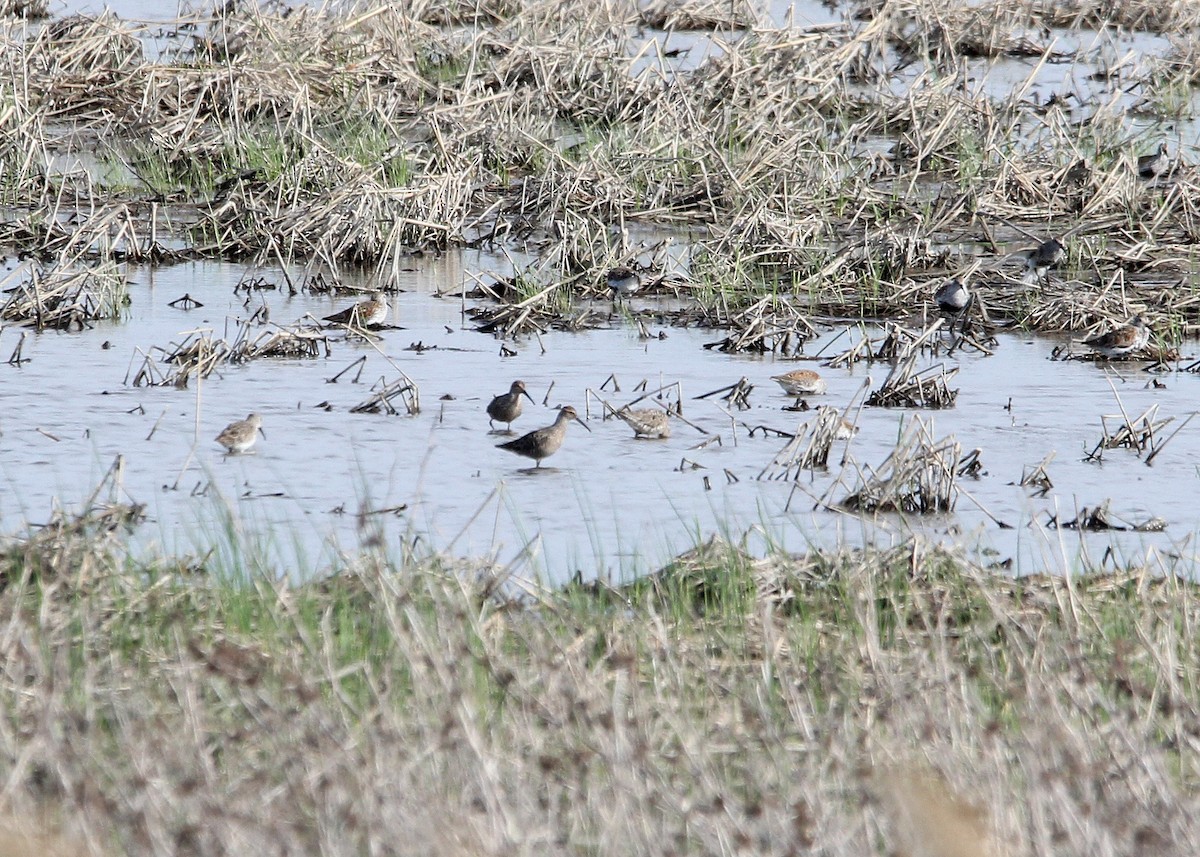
column 507, row 406
column 544, row 442
column 1152, row 166
column 1122, row 340
column 646, row 422
column 623, row 282
column 239, row 436
column 366, row 313
column 1043, row 257
column 802, row 382
column 845, row 430
column 952, row 297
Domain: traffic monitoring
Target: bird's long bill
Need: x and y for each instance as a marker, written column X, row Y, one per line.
column 582, row 423
column 260, row 431
column 527, row 396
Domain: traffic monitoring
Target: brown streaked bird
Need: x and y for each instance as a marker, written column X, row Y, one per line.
column 647, row 422
column 507, row 406
column 801, row 382
column 1152, row 166
column 239, row 436
column 1123, row 340
column 372, row 311
column 544, row 442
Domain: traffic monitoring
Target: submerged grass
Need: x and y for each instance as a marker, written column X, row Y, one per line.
column 408, row 706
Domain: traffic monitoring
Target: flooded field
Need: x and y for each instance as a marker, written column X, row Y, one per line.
column 783, row 182
column 324, row 480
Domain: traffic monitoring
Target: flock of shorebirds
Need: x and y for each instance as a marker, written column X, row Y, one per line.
column 953, row 298
column 241, row 435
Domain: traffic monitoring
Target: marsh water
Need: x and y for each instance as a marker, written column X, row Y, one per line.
column 325, row 480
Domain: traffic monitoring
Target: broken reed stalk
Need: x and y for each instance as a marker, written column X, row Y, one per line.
column 808, row 449
column 919, row 476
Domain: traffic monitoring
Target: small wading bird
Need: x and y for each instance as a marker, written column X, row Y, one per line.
column 802, row 382
column 239, row 436
column 507, row 406
column 1153, row 166
column 366, row 313
column 646, row 422
column 623, row 282
column 544, row 442
column 952, row 298
column 1043, row 257
column 1122, row 340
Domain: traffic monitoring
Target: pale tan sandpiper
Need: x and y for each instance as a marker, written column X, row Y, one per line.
column 239, row 436
column 647, row 422
column 801, row 382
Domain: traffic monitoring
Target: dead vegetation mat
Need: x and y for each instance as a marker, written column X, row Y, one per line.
column 844, row 162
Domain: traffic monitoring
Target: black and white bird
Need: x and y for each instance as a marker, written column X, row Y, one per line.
column 1153, row 166
column 1040, row 259
column 623, row 282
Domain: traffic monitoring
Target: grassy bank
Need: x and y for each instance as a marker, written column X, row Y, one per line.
column 849, row 704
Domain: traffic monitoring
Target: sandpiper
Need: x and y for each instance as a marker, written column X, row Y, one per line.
column 647, row 422
column 1043, row 257
column 239, row 436
column 1122, row 340
column 801, row 382
column 952, row 297
column 623, row 282
column 1152, row 166
column 544, row 442
column 507, row 406
column 366, row 313
column 845, row 430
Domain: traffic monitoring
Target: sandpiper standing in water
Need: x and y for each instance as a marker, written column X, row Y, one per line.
column 366, row 313
column 1153, row 166
column 544, row 442
column 623, row 282
column 507, row 406
column 239, row 436
column 1123, row 340
column 646, row 422
column 801, row 382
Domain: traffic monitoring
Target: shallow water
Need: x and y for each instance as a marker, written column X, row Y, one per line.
column 605, row 501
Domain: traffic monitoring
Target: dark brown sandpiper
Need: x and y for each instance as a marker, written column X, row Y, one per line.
column 364, row 313
column 239, row 436
column 507, row 406
column 544, row 442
